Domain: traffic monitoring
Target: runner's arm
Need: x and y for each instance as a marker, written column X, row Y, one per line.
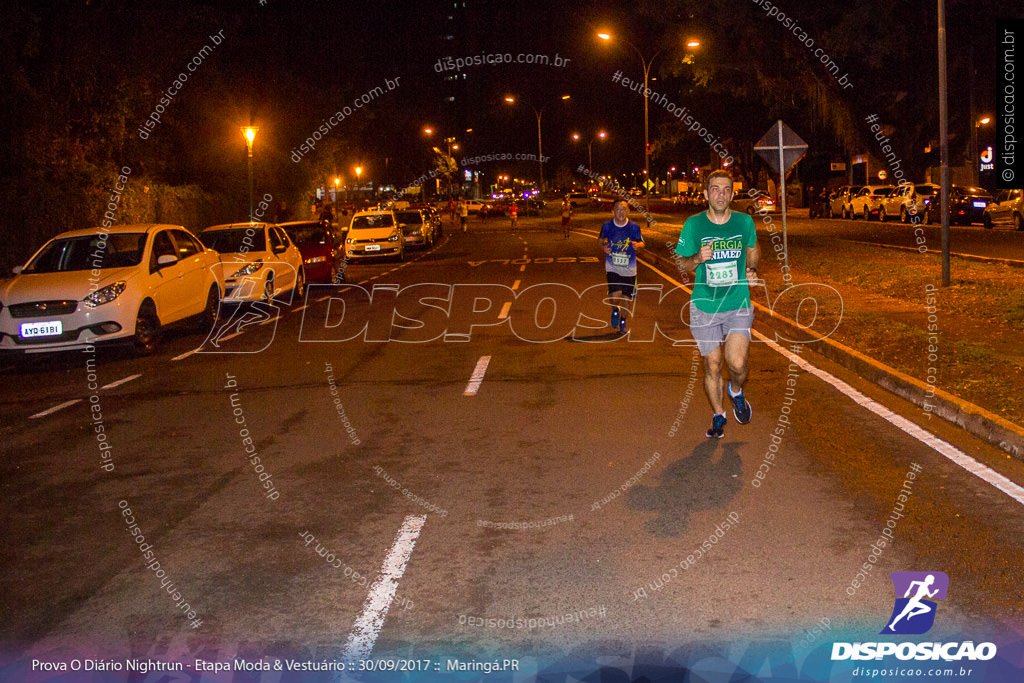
column 753, row 258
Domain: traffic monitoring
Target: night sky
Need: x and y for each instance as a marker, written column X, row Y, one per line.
column 81, row 77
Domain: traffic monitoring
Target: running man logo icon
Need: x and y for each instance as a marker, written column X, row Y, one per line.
column 914, row 613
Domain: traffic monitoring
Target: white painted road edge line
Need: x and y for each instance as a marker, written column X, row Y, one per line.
column 951, row 452
column 119, row 382
column 477, row 378
column 371, row 619
column 503, row 313
column 185, row 355
column 50, row 411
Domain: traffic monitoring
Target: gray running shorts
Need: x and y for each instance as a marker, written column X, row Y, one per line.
column 710, row 329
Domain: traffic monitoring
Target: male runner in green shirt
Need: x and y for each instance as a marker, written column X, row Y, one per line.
column 721, row 247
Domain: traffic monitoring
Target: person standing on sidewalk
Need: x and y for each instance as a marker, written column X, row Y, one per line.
column 721, row 247
column 464, row 214
column 513, row 214
column 566, row 216
column 620, row 238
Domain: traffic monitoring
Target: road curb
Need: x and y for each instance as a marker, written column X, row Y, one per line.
column 974, row 419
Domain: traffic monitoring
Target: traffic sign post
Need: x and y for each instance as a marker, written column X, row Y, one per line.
column 781, row 148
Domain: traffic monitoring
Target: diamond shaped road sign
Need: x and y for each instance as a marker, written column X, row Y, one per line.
column 781, row 147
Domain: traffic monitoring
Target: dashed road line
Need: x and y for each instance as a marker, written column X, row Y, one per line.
column 119, row 382
column 503, row 313
column 185, row 355
column 477, row 378
column 50, row 411
column 370, row 621
column 515, row 285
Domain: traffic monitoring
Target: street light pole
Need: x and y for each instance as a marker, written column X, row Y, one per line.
column 647, row 145
column 249, row 132
column 540, row 149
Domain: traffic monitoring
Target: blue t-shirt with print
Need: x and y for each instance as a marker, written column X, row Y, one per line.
column 622, row 259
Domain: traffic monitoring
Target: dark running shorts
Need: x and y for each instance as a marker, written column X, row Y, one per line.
column 621, row 283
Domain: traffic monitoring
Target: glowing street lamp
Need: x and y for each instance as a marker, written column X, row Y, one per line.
column 590, row 158
column 249, row 133
column 691, row 43
column 540, row 153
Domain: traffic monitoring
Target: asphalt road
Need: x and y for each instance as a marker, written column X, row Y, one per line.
column 415, row 512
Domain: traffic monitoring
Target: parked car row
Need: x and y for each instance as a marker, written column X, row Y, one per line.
column 127, row 283
column 966, row 204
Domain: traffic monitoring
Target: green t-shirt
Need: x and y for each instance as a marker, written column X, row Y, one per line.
column 721, row 283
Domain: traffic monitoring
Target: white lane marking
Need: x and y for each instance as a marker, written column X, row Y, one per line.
column 371, row 619
column 503, row 313
column 950, row 451
column 515, row 285
column 185, row 355
column 477, row 378
column 121, row 381
column 50, row 411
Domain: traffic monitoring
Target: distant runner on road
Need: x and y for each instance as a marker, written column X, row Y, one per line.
column 620, row 238
column 719, row 245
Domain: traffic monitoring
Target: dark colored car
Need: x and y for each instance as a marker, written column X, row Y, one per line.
column 320, row 245
column 966, row 205
column 417, row 228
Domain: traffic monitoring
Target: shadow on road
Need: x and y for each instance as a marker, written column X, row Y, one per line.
column 706, row 480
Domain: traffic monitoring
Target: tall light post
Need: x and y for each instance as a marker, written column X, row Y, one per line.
column 975, row 166
column 590, row 156
column 692, row 43
column 540, row 150
column 249, row 132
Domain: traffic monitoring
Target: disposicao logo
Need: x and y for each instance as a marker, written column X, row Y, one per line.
column 914, row 614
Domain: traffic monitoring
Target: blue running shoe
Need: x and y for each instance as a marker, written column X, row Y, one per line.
column 717, row 430
column 740, row 407
column 615, row 316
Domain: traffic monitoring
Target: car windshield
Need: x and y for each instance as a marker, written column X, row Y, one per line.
column 307, row 233
column 379, row 220
column 408, row 217
column 235, row 240
column 119, row 250
column 883, row 191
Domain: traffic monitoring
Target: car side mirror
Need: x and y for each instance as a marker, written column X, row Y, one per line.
column 166, row 260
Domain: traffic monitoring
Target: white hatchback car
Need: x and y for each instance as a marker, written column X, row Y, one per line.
column 104, row 284
column 258, row 261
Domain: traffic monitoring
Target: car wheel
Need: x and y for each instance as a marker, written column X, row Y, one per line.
column 904, row 215
column 208, row 318
column 867, row 215
column 268, row 289
column 987, row 222
column 1018, row 222
column 299, row 290
column 750, row 210
column 881, row 215
column 147, row 330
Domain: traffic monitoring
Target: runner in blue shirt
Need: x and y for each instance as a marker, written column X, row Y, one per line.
column 620, row 238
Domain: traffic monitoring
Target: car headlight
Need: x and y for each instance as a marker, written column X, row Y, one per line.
column 316, row 259
column 395, row 237
column 249, row 269
column 105, row 295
